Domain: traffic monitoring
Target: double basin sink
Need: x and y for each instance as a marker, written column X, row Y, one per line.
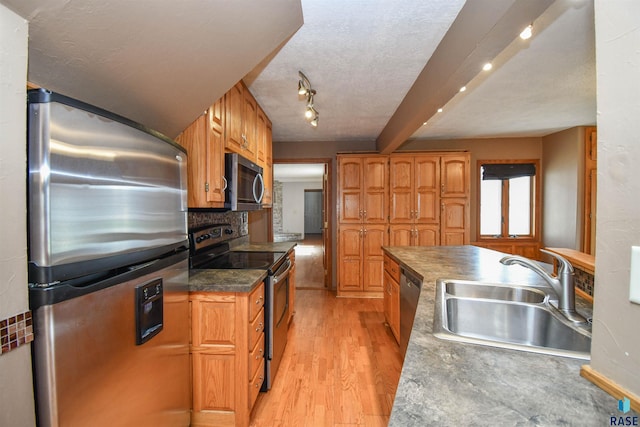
column 507, row 316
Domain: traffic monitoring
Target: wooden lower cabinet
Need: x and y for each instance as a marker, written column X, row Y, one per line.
column 227, row 356
column 360, row 259
column 392, row 296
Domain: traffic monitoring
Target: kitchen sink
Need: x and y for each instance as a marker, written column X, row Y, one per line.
column 507, row 316
column 484, row 291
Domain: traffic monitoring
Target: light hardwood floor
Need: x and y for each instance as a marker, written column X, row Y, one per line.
column 340, row 368
column 309, row 268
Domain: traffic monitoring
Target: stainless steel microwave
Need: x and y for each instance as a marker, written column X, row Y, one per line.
column 245, row 184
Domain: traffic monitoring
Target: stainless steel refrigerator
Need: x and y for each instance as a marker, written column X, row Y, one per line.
column 108, row 268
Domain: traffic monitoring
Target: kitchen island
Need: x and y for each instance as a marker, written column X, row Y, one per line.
column 450, row 383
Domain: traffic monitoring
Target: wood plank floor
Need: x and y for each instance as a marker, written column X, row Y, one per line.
column 309, row 268
column 340, row 368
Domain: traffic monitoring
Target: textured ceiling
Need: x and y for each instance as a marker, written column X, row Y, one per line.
column 161, row 62
column 535, row 88
column 364, row 56
column 361, row 56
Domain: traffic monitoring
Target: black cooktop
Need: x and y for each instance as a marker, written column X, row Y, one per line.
column 240, row 260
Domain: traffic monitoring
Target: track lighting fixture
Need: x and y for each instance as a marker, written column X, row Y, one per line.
column 305, row 90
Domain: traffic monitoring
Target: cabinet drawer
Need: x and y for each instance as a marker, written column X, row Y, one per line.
column 256, row 301
column 256, row 357
column 392, row 268
column 256, row 328
column 256, row 384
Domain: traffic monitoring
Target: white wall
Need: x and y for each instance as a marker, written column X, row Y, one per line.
column 16, row 391
column 615, row 350
column 293, row 205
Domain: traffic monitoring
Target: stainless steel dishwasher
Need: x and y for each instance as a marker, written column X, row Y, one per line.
column 410, row 286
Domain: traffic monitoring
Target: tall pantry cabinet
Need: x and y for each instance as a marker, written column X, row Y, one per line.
column 362, row 224
column 403, row 199
column 429, row 199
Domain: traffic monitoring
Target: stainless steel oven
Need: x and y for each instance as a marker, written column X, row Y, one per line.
column 209, row 250
column 277, row 299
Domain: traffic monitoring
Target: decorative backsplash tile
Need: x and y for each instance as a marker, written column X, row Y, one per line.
column 583, row 280
column 15, row 331
column 239, row 220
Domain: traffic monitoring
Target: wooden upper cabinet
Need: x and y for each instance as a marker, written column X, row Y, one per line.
column 194, row 140
column 261, row 137
column 401, row 189
column 249, row 117
column 363, row 189
column 427, row 178
column 455, row 179
column 234, row 103
column 414, row 187
column 375, row 194
column 215, row 155
column 203, row 140
column 350, row 189
column 267, row 200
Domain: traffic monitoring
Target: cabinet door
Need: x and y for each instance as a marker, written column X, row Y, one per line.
column 234, row 103
column 426, row 189
column 455, row 175
column 249, row 117
column 215, row 155
column 386, row 298
column 454, row 228
column 267, row 199
column 374, row 237
column 194, row 140
column 350, row 189
column 395, row 310
column 350, row 257
column 401, row 209
column 261, row 132
column 426, row 235
column 400, row 234
column 375, row 194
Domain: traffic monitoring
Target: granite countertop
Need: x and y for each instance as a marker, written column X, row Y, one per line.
column 227, row 280
column 265, row 247
column 451, row 383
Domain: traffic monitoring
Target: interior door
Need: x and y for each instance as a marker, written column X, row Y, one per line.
column 313, row 211
column 326, row 210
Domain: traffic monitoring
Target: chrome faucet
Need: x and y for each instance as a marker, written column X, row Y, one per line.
column 562, row 284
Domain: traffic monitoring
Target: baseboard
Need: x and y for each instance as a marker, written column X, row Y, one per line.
column 609, row 386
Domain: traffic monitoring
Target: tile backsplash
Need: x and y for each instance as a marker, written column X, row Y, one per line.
column 15, row 331
column 238, row 220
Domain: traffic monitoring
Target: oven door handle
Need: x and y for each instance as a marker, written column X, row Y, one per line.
column 280, row 274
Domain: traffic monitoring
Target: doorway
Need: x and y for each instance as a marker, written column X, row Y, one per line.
column 301, row 213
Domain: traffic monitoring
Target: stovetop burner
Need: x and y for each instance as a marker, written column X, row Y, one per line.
column 210, row 250
column 241, row 260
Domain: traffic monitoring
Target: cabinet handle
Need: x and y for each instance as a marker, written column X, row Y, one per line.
column 364, row 214
column 442, row 189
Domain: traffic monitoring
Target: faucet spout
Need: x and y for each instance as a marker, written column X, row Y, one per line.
column 562, row 284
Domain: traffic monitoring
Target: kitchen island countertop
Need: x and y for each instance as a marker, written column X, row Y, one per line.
column 449, row 383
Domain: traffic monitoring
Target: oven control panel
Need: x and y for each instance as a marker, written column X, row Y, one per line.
column 210, row 235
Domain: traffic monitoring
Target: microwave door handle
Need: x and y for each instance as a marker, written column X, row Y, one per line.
column 255, row 196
